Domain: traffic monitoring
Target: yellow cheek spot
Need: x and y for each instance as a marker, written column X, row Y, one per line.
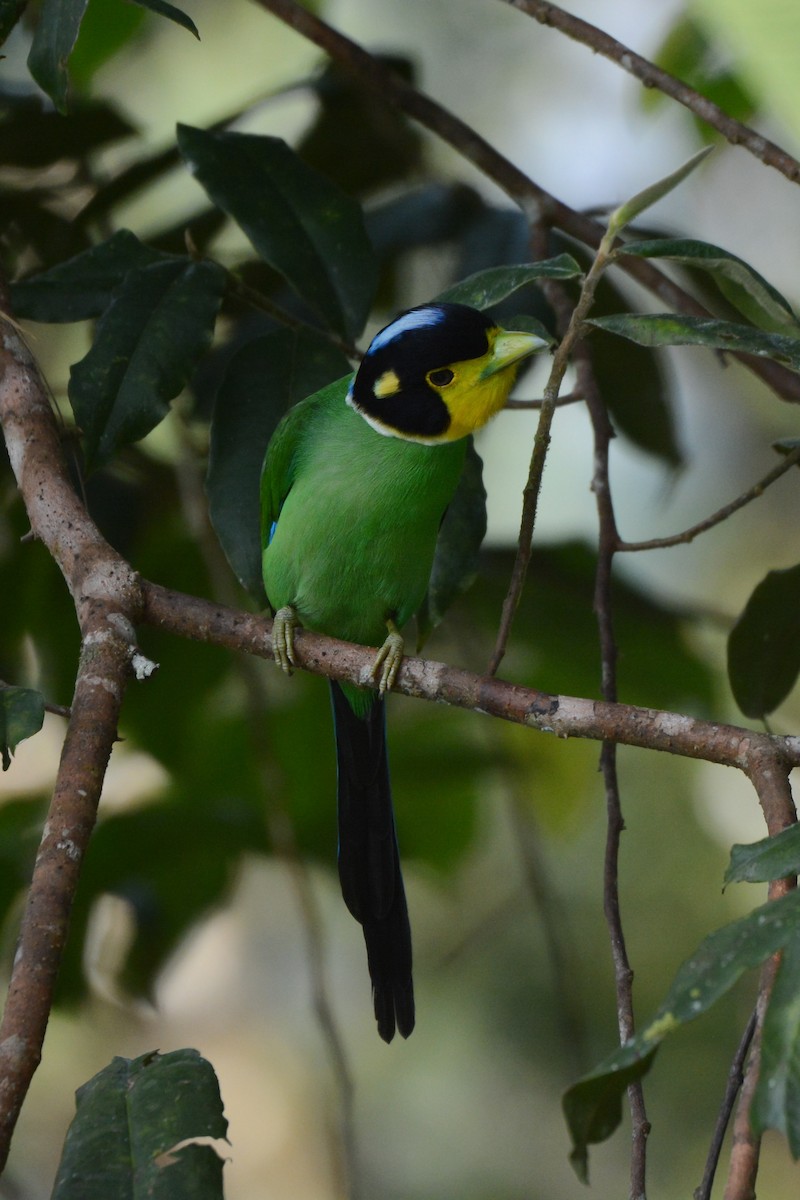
column 471, row 400
column 386, row 385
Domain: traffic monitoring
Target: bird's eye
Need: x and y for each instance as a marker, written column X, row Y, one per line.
column 441, row 377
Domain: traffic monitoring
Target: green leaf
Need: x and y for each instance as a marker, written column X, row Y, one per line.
column 776, row 1104
column 131, row 1120
column 669, row 329
column 764, row 644
column 55, row 35
column 10, row 13
column 299, row 222
column 107, row 27
column 21, row 716
column 739, row 283
column 171, row 12
column 147, row 342
column 455, row 564
column 592, row 1105
column 263, row 379
column 81, row 287
column 645, row 199
column 489, row 287
column 771, row 858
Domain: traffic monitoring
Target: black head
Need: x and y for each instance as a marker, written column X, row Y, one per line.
column 398, row 385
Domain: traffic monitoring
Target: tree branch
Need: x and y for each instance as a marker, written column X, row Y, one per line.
column 106, row 597
column 91, row 733
column 565, row 716
column 652, row 76
column 722, row 514
column 770, row 778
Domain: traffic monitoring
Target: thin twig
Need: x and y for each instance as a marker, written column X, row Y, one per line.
column 530, row 495
column 607, row 543
column 573, row 397
column 537, row 203
column 722, row 514
column 734, row 1083
column 652, row 76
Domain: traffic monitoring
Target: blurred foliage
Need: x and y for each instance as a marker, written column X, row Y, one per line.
column 195, row 356
column 689, row 54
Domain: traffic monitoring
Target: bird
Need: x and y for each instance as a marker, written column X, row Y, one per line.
column 355, row 484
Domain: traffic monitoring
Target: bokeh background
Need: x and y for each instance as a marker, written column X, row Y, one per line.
column 502, row 831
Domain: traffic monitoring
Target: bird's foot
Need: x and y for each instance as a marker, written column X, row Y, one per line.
column 388, row 659
column 284, row 624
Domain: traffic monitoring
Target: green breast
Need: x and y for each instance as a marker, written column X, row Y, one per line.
column 357, row 532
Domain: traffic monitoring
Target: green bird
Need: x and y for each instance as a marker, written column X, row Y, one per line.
column 355, row 484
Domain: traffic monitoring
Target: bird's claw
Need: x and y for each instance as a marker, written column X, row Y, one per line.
column 388, row 659
column 284, row 624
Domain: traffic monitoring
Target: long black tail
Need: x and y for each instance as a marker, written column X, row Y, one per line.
column 369, row 861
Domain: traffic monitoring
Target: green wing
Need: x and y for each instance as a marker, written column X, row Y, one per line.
column 280, row 461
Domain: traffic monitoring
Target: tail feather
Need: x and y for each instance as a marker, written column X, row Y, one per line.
column 369, row 860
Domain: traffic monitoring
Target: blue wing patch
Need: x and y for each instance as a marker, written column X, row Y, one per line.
column 272, row 529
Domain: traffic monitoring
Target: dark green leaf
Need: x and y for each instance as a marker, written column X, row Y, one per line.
column 633, row 386
column 299, row 222
column 772, row 858
column 489, row 287
column 33, row 228
column 33, row 138
column 455, row 564
column 739, row 283
column 55, row 35
column 263, row 380
column 776, row 1104
column 171, row 12
column 764, row 644
column 81, row 287
column 669, row 329
column 21, row 716
column 10, row 13
column 146, row 345
column 592, row 1105
column 130, row 1119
